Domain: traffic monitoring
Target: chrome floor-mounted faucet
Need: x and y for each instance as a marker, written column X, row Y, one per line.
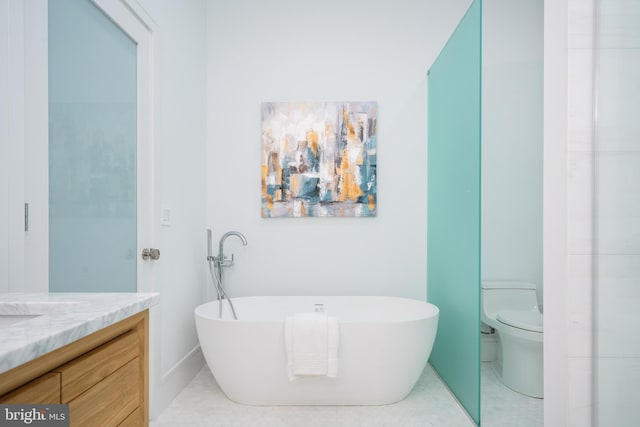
column 218, row 263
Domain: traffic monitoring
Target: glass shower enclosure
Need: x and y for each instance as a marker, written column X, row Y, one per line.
column 453, row 225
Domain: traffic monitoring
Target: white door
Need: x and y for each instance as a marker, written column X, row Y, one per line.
column 89, row 109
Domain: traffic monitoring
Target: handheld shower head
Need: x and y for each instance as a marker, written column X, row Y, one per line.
column 209, row 245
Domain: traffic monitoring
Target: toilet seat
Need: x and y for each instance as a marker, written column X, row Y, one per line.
column 529, row 320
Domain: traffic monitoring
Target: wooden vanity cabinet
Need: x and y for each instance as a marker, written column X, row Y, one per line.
column 103, row 377
column 42, row 390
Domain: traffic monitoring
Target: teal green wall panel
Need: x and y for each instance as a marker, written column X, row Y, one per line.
column 453, row 222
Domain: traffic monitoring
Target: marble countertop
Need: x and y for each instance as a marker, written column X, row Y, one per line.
column 61, row 319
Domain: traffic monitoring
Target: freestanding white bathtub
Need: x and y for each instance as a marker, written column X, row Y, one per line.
column 384, row 346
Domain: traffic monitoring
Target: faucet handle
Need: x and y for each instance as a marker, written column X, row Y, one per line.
column 224, row 261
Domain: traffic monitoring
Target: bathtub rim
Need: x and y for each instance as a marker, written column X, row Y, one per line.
column 435, row 309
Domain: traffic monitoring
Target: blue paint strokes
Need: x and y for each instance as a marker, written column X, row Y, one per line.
column 309, row 189
column 368, row 174
column 312, row 160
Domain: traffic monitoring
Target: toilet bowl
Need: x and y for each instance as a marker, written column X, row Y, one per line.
column 510, row 308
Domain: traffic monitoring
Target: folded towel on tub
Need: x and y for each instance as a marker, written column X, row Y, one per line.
column 311, row 341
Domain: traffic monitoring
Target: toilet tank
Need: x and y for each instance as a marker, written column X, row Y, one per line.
column 505, row 294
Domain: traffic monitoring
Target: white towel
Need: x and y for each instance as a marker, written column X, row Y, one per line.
column 311, row 342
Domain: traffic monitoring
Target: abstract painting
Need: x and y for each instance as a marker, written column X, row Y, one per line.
column 319, row 159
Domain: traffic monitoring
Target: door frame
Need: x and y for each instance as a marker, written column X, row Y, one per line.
column 131, row 17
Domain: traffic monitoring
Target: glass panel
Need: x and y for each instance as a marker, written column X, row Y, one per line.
column 92, row 151
column 453, row 227
column 617, row 214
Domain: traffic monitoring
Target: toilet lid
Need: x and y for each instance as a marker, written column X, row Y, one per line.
column 529, row 320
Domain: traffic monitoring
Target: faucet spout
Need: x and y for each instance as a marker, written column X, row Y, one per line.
column 221, row 245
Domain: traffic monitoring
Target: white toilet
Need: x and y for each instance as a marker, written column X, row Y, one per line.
column 511, row 308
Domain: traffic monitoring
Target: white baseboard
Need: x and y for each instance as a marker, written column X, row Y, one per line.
column 174, row 380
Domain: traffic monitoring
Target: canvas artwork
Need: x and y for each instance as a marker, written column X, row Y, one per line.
column 319, row 159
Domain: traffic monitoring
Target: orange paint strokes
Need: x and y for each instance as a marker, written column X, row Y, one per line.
column 349, row 188
column 265, row 171
column 279, row 175
column 372, row 203
column 353, row 189
column 312, row 139
column 341, row 171
column 271, row 172
column 295, row 184
column 351, row 132
column 269, row 202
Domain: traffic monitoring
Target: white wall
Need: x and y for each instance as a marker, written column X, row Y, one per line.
column 512, row 51
column 323, row 51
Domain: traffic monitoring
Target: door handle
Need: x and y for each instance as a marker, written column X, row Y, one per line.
column 152, row 253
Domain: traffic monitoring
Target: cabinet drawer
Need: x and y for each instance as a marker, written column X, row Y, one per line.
column 135, row 419
column 91, row 368
column 109, row 402
column 42, row 390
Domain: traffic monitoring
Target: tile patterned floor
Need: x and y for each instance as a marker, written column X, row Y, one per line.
column 502, row 407
column 430, row 404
